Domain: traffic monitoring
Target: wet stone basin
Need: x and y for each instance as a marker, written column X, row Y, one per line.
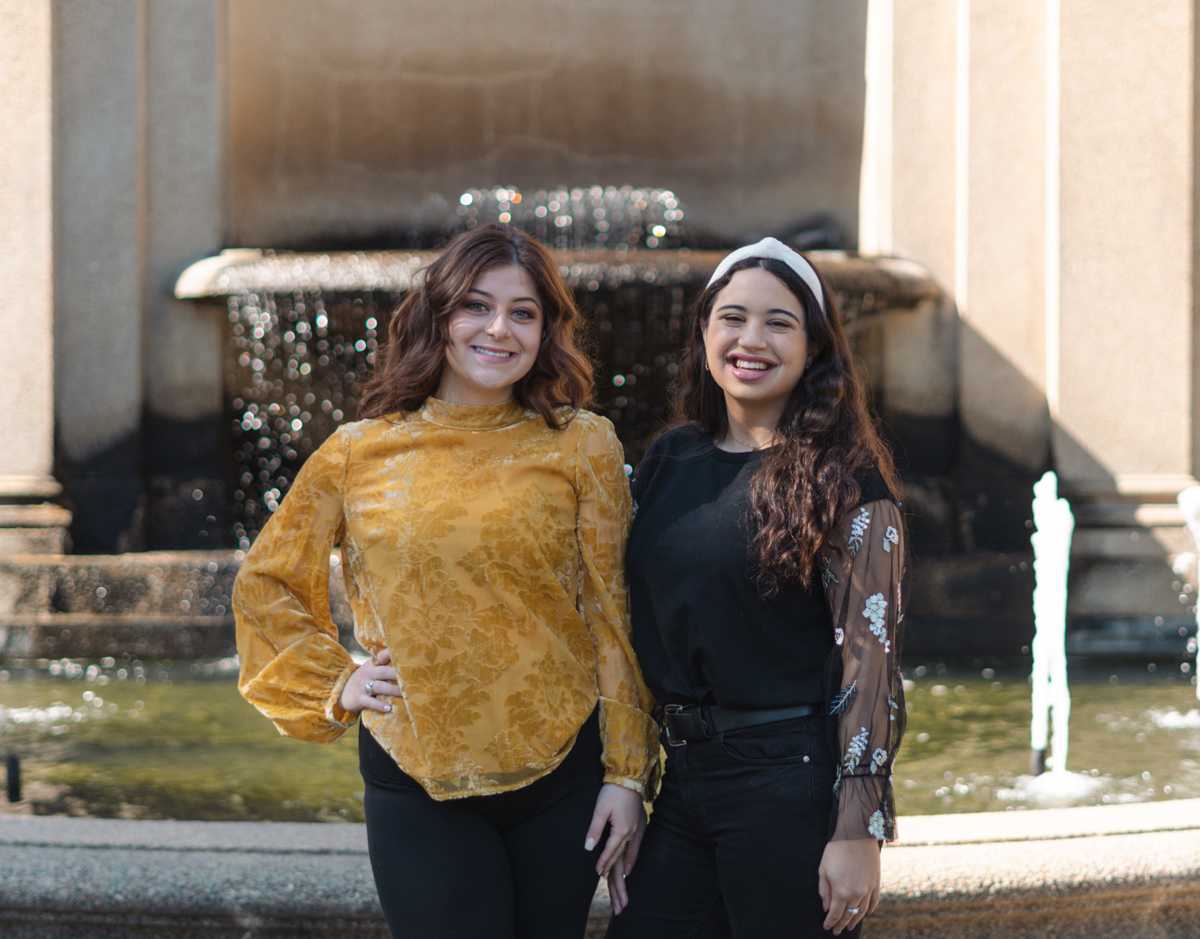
column 153, row 740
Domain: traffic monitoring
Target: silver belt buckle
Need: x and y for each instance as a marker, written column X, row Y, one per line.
column 668, row 710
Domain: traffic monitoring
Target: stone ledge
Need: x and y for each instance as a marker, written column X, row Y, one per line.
column 1120, row 871
column 878, row 283
column 1049, row 824
column 94, row 635
column 25, row 487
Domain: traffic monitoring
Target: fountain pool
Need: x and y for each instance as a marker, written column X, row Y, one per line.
column 147, row 740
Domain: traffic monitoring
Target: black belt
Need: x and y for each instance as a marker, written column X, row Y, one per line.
column 684, row 722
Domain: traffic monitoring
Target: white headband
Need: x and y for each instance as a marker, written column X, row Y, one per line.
column 777, row 251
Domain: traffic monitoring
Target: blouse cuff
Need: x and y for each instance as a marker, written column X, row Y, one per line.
column 334, row 712
column 630, row 738
column 635, row 784
column 865, row 809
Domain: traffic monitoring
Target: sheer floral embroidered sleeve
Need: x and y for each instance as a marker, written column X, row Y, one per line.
column 862, row 570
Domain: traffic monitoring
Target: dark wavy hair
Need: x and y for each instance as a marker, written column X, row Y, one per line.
column 827, row 435
column 415, row 352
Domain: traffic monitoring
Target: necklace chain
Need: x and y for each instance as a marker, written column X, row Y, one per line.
column 750, row 447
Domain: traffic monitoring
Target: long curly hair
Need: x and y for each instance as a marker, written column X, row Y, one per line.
column 826, row 436
column 415, row 352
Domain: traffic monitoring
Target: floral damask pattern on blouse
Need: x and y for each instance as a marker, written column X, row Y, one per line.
column 485, row 551
column 866, row 552
column 545, row 693
column 519, row 533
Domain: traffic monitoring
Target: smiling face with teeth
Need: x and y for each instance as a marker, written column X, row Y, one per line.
column 755, row 342
column 492, row 338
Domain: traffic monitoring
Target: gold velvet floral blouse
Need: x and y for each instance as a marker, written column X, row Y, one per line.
column 485, row 550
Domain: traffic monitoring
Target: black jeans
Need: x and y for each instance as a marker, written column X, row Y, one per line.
column 736, row 838
column 507, row 866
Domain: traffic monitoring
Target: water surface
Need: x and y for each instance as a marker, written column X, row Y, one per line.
column 147, row 740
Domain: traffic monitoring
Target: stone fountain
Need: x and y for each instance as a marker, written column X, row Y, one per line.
column 302, row 330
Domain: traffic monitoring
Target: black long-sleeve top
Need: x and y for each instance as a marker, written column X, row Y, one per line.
column 704, row 633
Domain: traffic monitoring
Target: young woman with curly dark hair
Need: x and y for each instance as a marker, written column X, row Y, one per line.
column 482, row 518
column 765, row 568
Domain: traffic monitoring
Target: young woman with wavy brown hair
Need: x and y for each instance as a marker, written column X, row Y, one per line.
column 482, row 517
column 765, row 566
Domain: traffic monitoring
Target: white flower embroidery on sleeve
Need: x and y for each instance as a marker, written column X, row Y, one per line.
column 858, row 530
column 839, row 635
column 855, row 751
column 828, row 577
column 875, row 826
column 890, row 537
column 878, row 758
column 841, row 700
column 876, row 613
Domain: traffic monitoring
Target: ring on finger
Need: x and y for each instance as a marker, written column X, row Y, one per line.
column 853, row 910
column 369, row 687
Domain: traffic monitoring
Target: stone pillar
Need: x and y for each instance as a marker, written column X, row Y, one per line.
column 1001, row 279
column 99, row 238
column 1040, row 159
column 953, row 167
column 185, row 130
column 28, row 521
column 917, row 195
column 1123, row 390
column 908, row 153
column 138, row 143
column 1000, row 272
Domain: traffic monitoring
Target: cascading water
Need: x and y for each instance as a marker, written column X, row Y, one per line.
column 615, row 217
column 296, row 358
column 303, row 329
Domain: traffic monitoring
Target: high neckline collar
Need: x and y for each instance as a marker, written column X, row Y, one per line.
column 472, row 416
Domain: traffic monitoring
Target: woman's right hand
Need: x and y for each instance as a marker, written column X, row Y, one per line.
column 381, row 677
column 848, row 882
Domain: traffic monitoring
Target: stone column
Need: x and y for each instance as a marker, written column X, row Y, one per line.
column 99, row 238
column 1001, row 281
column 138, row 143
column 1042, row 162
column 906, row 210
column 1123, row 390
column 954, row 166
column 28, row 521
column 920, row 46
column 185, row 132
